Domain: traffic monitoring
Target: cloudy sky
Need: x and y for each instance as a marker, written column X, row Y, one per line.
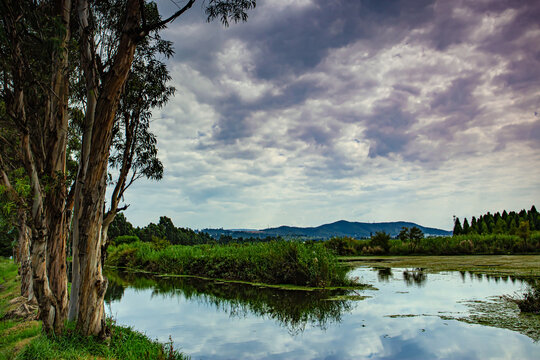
column 319, row 110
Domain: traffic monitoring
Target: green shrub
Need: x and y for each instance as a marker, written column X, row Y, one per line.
column 381, row 240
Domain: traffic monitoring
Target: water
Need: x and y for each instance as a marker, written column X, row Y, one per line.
column 400, row 320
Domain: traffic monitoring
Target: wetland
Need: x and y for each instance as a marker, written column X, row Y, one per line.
column 409, row 311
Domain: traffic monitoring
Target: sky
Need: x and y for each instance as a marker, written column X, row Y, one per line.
column 315, row 111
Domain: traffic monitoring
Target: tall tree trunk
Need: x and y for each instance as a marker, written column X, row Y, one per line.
column 90, row 318
column 46, row 300
column 55, row 202
column 89, row 64
column 23, row 254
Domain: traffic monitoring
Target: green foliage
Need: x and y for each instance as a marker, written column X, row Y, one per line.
column 120, row 226
column 412, row 235
column 124, row 239
column 458, row 230
column 9, row 208
column 229, row 10
column 166, row 230
column 523, row 231
column 381, row 240
column 505, row 223
column 343, row 245
column 124, row 342
column 271, row 263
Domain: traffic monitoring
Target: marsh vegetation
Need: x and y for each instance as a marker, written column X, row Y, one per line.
column 277, row 262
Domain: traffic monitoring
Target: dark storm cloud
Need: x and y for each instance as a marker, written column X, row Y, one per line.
column 522, row 75
column 232, row 126
column 412, row 90
column 314, row 134
column 448, row 30
column 511, row 42
column 457, row 106
column 290, row 45
column 458, row 97
column 528, row 132
column 297, row 42
column 388, row 127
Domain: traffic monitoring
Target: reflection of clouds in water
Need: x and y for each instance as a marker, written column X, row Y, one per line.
column 204, row 331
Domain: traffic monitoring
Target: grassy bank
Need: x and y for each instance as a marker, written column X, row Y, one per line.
column 271, row 263
column 15, row 334
column 497, row 265
column 22, row 339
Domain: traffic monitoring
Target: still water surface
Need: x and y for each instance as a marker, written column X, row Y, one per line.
column 400, row 320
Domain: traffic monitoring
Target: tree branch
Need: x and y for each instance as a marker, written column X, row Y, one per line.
column 148, row 28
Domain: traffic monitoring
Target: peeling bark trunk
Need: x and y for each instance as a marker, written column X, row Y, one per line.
column 23, row 254
column 55, row 167
column 46, row 301
column 92, row 286
column 88, row 61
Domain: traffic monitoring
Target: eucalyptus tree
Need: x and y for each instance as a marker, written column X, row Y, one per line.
column 105, row 78
column 133, row 149
column 37, row 36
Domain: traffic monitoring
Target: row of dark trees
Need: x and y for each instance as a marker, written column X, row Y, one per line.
column 78, row 80
column 506, row 223
column 124, row 231
column 164, row 229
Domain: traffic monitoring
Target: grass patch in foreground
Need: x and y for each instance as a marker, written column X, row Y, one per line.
column 124, row 343
column 277, row 262
column 14, row 333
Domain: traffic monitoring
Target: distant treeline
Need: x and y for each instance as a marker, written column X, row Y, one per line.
column 506, row 233
column 511, row 223
column 122, row 231
column 491, row 244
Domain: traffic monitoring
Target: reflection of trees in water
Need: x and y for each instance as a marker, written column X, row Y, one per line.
column 476, row 276
column 384, row 274
column 115, row 291
column 290, row 308
column 414, row 277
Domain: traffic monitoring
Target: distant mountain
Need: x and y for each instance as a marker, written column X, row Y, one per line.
column 356, row 230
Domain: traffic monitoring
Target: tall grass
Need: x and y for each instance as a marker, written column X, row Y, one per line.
column 278, row 262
